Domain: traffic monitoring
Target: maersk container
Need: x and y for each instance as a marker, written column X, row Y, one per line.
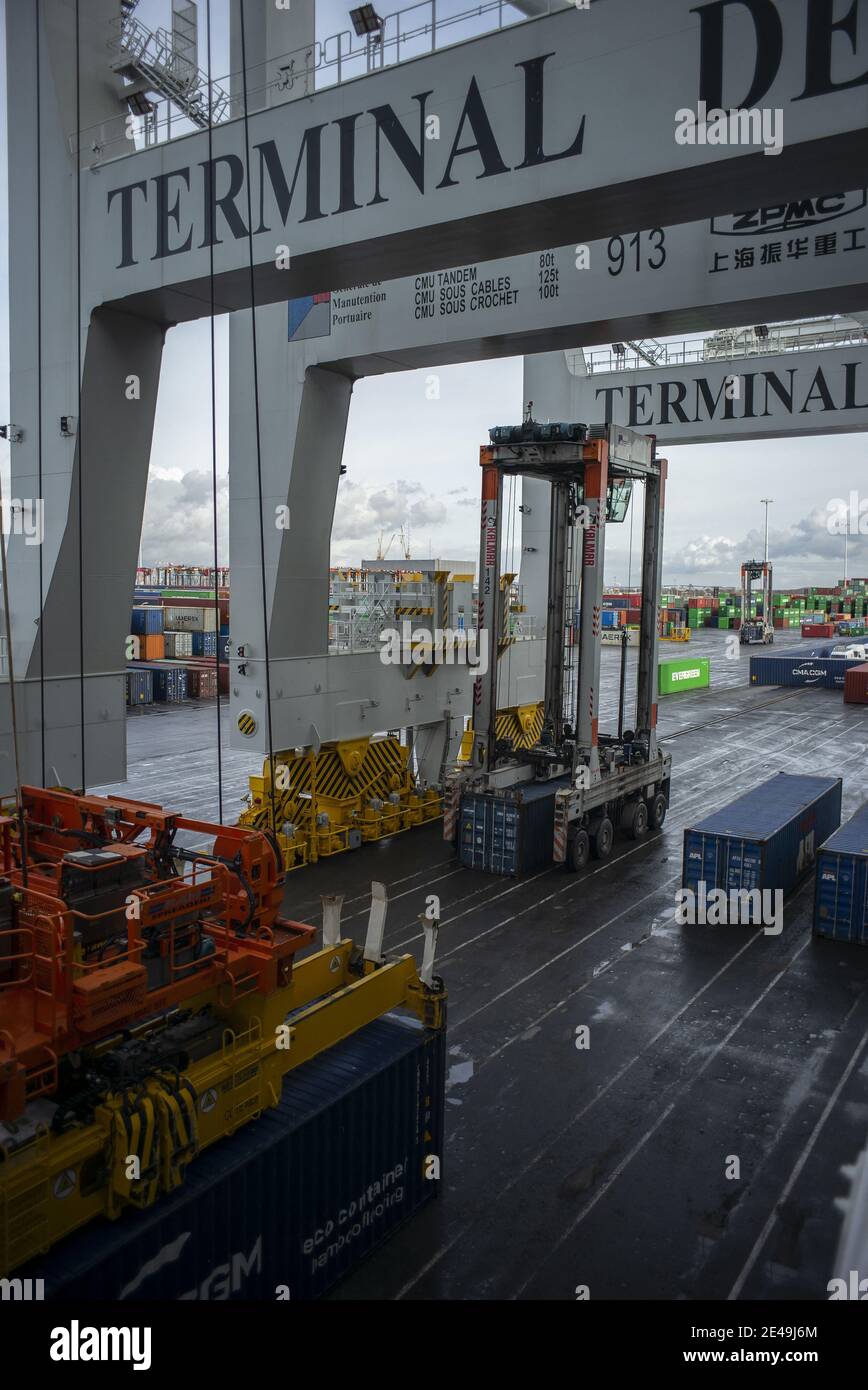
column 766, row 839
column 509, row 833
column 292, row 1201
column 190, row 618
column 841, row 889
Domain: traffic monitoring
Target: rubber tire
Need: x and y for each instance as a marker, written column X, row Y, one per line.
column 602, row 838
column 578, row 851
column 637, row 824
column 657, row 811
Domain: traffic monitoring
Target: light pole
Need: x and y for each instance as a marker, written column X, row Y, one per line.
column 766, row 501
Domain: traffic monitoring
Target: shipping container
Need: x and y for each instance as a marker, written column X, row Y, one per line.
column 203, row 644
column 509, row 833
column 856, row 685
column 818, row 630
column 201, row 682
column 169, row 682
column 688, row 674
column 797, row 668
column 189, row 618
column 841, row 889
column 179, row 644
column 767, row 839
column 139, row 688
column 152, row 647
column 146, row 619
column 294, row 1200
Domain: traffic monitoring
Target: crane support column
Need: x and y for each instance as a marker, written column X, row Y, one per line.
column 488, row 619
column 556, row 614
column 593, row 550
column 649, row 622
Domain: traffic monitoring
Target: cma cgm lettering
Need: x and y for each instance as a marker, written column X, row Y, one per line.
column 687, row 401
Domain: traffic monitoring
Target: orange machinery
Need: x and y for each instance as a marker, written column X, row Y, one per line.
column 107, row 922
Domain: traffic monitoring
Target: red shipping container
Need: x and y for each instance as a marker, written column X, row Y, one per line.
column 633, row 615
column 818, row 629
column 856, row 685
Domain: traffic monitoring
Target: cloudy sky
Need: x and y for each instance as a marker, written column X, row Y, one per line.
column 413, row 462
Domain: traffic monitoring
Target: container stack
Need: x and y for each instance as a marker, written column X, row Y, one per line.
column 179, row 636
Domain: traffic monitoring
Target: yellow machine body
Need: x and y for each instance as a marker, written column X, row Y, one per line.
column 142, row 1138
column 348, row 793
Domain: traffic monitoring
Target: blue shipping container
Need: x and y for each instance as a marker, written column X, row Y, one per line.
column 139, row 688
column 795, row 668
column 147, row 620
column 204, row 643
column 169, row 682
column 509, row 835
column 767, row 839
column 841, row 890
column 296, row 1198
column 224, row 647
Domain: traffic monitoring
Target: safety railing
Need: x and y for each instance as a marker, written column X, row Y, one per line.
column 419, row 29
column 774, row 341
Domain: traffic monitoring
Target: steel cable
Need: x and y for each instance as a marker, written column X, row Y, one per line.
column 246, row 120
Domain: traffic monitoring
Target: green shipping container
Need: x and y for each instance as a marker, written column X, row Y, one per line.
column 673, row 676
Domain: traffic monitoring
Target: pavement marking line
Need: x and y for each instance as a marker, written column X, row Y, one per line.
column 677, row 823
column 541, row 1153
column 665, row 1113
column 764, row 1234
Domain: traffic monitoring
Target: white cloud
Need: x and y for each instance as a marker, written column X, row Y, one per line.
column 178, row 524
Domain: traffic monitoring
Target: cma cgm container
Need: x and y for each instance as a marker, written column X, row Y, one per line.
column 509, row 833
column 796, row 668
column 841, row 890
column 294, row 1200
column 856, row 685
column 766, row 839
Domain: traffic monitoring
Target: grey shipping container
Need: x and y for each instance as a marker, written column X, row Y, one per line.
column 169, row 681
column 139, row 687
column 841, row 889
column 508, row 834
column 189, row 618
column 294, row 1200
column 766, row 839
column 179, row 644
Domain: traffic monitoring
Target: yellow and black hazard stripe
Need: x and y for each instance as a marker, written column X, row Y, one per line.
column 246, row 723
